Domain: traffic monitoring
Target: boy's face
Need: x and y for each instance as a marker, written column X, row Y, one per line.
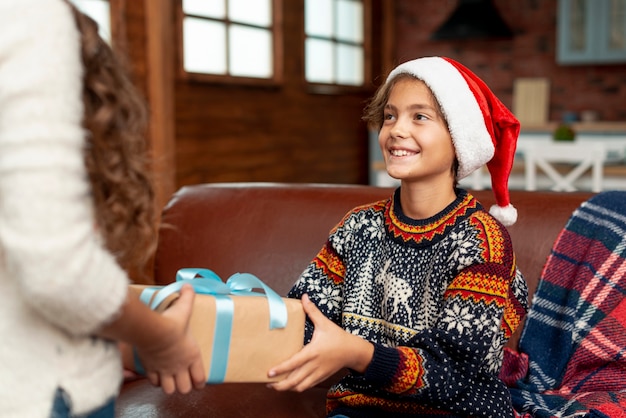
column 414, row 138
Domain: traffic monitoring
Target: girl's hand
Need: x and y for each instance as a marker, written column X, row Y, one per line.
column 175, row 362
column 330, row 350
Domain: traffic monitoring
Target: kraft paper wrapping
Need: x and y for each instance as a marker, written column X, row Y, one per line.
column 254, row 347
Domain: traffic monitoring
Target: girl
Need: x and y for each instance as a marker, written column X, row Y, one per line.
column 75, row 208
column 416, row 295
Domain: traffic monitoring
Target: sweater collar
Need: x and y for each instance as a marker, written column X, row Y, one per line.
column 425, row 232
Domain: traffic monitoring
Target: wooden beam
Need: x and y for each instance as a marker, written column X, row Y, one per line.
column 388, row 36
column 160, row 83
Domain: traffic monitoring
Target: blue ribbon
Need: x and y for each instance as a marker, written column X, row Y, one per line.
column 206, row 282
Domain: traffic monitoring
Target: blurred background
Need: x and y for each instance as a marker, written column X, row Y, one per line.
column 273, row 90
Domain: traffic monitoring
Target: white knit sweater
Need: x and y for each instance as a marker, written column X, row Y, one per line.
column 57, row 282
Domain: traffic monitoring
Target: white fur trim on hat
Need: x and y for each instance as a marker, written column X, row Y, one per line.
column 472, row 141
column 507, row 215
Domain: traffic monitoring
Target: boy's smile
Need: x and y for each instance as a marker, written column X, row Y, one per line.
column 402, row 152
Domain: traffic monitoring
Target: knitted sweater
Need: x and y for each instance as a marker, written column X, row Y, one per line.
column 58, row 284
column 438, row 298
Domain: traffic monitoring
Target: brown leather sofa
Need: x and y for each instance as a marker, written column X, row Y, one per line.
column 273, row 231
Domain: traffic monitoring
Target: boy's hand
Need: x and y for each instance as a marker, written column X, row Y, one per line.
column 330, row 350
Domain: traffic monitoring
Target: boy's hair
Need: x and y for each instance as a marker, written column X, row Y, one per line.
column 374, row 112
column 115, row 156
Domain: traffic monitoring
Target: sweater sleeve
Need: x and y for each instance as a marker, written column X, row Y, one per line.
column 51, row 251
column 322, row 281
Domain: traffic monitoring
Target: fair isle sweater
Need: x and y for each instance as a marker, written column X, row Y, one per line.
column 438, row 298
column 58, row 284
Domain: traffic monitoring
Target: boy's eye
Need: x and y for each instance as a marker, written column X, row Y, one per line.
column 420, row 116
column 388, row 116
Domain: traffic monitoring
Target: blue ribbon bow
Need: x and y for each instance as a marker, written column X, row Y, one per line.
column 206, row 282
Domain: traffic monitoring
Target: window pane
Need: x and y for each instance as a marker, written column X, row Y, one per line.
column 349, row 64
column 204, row 46
column 319, row 61
column 617, row 25
column 318, row 18
column 253, row 12
column 99, row 11
column 250, row 52
column 349, row 25
column 208, row 8
column 577, row 26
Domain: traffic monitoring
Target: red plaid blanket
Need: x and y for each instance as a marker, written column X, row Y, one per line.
column 572, row 351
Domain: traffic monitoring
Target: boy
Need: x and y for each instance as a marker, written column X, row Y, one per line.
column 418, row 294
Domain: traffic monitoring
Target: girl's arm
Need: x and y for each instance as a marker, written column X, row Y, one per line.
column 167, row 350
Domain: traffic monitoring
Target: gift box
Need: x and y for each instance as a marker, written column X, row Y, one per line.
column 242, row 332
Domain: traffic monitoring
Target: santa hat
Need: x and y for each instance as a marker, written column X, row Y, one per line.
column 483, row 130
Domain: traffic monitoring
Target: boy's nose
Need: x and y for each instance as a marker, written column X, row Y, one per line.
column 399, row 129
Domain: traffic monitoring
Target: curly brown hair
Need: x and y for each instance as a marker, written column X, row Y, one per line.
column 115, row 119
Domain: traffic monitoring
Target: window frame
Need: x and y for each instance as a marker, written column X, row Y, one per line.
column 276, row 30
column 334, row 88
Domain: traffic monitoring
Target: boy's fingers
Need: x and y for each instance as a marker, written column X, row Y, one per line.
column 282, row 368
column 311, row 310
column 287, row 366
column 298, row 380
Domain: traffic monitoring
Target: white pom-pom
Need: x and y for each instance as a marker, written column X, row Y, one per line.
column 507, row 214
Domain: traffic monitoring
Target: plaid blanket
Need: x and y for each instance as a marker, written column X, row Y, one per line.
column 572, row 350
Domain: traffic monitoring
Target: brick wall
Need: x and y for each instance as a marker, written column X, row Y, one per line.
column 530, row 53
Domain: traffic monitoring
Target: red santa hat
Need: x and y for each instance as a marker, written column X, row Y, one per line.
column 483, row 130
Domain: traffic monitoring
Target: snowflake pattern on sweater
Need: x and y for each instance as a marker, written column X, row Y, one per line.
column 439, row 298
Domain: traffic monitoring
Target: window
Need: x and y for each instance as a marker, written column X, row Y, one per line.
column 98, row 10
column 335, row 42
column 591, row 31
column 230, row 39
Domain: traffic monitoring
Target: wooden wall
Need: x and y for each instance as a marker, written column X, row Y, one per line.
column 209, row 132
column 206, row 132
